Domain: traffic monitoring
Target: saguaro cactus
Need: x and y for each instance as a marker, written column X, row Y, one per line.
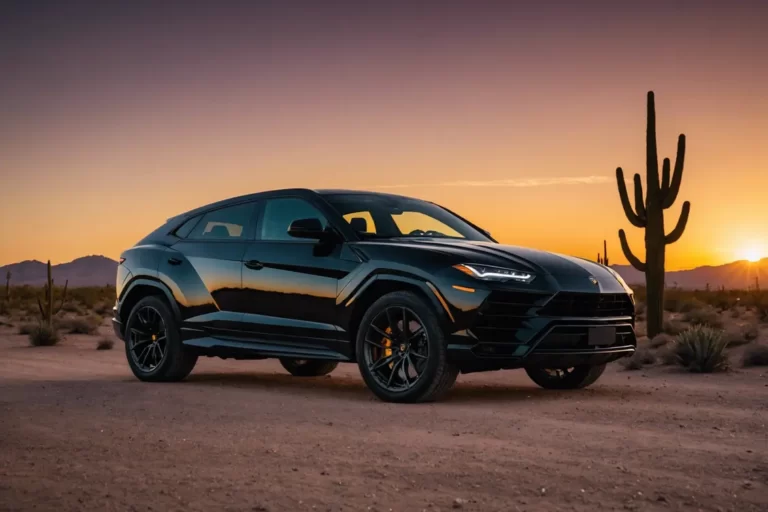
column 650, row 216
column 47, row 310
column 603, row 260
column 8, row 285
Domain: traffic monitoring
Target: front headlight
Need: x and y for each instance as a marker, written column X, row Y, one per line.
column 490, row 273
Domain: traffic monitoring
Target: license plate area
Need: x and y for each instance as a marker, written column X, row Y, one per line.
column 601, row 336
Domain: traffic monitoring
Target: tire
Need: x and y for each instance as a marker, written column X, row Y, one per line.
column 177, row 361
column 308, row 367
column 572, row 378
column 422, row 351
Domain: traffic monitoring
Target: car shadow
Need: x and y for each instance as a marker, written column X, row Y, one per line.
column 348, row 387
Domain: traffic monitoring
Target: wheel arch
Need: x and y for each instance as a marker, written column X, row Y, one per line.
column 378, row 286
column 144, row 287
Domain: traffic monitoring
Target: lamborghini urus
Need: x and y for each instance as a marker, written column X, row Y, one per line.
column 410, row 291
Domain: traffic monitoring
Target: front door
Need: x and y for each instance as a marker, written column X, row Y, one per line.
column 207, row 262
column 289, row 284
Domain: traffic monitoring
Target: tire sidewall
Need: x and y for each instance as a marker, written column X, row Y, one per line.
column 173, row 347
column 435, row 337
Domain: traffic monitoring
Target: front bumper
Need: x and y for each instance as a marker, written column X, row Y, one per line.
column 117, row 326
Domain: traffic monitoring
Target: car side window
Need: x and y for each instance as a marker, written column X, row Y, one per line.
column 280, row 213
column 186, row 228
column 230, row 223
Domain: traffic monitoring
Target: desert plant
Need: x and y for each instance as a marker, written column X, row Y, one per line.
column 640, row 358
column 47, row 310
column 603, row 260
column 26, row 328
column 755, row 355
column 660, row 340
column 649, row 214
column 704, row 316
column 79, row 325
column 673, row 327
column 701, row 349
column 8, row 284
column 105, row 344
column 43, row 335
column 103, row 309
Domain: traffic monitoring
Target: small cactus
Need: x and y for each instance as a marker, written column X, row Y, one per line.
column 603, row 260
column 47, row 310
column 8, row 285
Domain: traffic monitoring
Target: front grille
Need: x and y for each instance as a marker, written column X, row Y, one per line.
column 589, row 305
column 505, row 313
column 576, row 338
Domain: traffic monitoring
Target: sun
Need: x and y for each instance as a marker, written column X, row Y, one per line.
column 752, row 254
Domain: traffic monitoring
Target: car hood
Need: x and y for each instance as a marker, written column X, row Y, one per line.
column 570, row 272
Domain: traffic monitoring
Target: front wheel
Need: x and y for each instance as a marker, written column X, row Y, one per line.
column 308, row 367
column 401, row 350
column 575, row 377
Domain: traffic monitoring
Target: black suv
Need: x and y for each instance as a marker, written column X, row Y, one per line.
column 409, row 290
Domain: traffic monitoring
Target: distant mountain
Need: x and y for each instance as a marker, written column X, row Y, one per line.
column 85, row 271
column 736, row 275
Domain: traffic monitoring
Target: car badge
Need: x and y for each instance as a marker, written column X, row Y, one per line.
column 593, row 280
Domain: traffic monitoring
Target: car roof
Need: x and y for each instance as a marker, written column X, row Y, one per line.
column 305, row 192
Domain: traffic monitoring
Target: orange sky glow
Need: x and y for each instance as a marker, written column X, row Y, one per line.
column 515, row 119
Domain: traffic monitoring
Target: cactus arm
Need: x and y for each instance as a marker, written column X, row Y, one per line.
column 639, row 204
column 677, row 176
column 633, row 260
column 628, row 211
column 40, row 305
column 665, row 178
column 676, row 233
column 63, row 297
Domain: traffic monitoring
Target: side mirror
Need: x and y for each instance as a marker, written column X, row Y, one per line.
column 311, row 229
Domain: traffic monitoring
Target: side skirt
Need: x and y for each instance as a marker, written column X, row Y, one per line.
column 229, row 347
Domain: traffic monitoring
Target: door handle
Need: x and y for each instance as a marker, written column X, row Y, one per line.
column 254, row 265
column 174, row 261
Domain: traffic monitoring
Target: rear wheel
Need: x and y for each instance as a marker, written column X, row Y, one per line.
column 575, row 377
column 401, row 350
column 153, row 345
column 308, row 367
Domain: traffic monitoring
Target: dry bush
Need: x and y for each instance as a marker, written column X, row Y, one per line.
column 735, row 312
column 43, row 336
column 79, row 325
column 660, row 340
column 673, row 327
column 640, row 358
column 103, row 309
column 701, row 349
column 641, row 329
column 704, row 316
column 755, row 355
column 27, row 328
column 105, row 344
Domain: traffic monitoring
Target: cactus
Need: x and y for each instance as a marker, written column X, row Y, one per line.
column 603, row 260
column 8, row 285
column 649, row 214
column 47, row 310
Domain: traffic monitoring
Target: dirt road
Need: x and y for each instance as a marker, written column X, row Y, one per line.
column 78, row 432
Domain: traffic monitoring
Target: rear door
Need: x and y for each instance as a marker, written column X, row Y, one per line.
column 206, row 268
column 290, row 284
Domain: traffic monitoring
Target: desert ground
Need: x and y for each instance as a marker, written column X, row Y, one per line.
column 78, row 432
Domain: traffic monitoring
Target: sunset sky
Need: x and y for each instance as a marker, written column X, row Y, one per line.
column 117, row 115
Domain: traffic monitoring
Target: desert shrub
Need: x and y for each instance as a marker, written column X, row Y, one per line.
column 704, row 316
column 103, row 309
column 641, row 330
column 71, row 306
column 27, row 328
column 686, row 305
column 105, row 344
column 755, row 355
column 673, row 327
column 42, row 335
column 735, row 312
column 79, row 325
column 660, row 340
column 640, row 358
column 701, row 349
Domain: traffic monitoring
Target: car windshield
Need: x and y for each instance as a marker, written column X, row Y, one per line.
column 380, row 216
